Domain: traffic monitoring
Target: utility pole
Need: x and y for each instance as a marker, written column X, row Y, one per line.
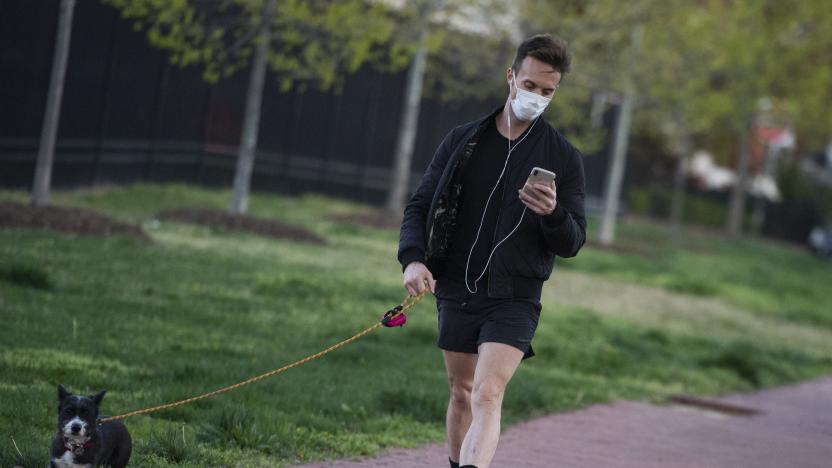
column 51, row 117
column 251, row 122
column 619, row 155
column 736, row 211
column 678, row 202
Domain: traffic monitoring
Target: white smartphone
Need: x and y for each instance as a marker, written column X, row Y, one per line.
column 538, row 175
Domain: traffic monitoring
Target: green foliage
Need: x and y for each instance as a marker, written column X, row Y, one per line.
column 311, row 42
column 469, row 44
column 467, row 66
column 703, row 66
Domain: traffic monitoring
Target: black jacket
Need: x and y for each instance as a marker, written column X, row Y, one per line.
column 525, row 260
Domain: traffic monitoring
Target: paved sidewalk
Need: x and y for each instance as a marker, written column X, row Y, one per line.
column 794, row 430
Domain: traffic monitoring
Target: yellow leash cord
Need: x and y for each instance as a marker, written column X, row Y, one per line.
column 409, row 302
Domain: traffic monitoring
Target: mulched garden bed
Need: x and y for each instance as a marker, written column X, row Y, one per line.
column 77, row 221
column 236, row 222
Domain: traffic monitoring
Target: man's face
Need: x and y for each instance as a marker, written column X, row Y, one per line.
column 534, row 76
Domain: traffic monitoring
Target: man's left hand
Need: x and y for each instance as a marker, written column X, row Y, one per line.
column 540, row 198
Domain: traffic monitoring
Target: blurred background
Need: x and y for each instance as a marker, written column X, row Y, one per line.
column 718, row 113
column 196, row 191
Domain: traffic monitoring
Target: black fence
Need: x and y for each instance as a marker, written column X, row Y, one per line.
column 128, row 115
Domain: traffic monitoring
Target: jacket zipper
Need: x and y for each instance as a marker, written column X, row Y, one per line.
column 497, row 227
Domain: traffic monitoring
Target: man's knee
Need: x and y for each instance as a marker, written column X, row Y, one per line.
column 488, row 393
column 460, row 392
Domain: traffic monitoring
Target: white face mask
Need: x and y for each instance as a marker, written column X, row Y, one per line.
column 528, row 105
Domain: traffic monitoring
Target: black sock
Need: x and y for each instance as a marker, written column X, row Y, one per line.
column 468, row 466
column 453, row 463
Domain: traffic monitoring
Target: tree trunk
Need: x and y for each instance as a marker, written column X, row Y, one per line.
column 251, row 122
column 758, row 216
column 737, row 208
column 678, row 203
column 51, row 117
column 619, row 155
column 400, row 175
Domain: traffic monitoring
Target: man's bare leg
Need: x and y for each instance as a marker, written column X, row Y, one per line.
column 460, row 368
column 496, row 364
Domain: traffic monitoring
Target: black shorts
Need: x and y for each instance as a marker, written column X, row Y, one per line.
column 464, row 324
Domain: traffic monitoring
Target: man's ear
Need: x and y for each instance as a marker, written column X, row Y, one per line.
column 62, row 393
column 98, row 397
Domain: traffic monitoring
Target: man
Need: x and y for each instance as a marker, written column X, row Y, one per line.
column 484, row 241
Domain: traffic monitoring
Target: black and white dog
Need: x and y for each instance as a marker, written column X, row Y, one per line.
column 81, row 441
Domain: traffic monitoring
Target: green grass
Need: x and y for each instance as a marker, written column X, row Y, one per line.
column 198, row 309
column 766, row 278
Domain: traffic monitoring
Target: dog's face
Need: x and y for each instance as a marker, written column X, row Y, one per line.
column 77, row 415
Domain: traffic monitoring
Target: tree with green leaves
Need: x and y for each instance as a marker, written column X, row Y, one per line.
column 606, row 42
column 420, row 33
column 705, row 66
column 449, row 53
column 305, row 43
column 725, row 58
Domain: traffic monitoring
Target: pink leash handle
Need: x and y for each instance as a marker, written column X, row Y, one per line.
column 394, row 317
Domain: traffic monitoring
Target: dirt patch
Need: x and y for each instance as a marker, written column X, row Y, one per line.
column 240, row 222
column 373, row 220
column 78, row 221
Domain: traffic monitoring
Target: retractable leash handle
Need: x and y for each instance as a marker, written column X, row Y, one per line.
column 396, row 317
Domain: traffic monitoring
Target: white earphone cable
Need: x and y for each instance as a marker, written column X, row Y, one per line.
column 479, row 229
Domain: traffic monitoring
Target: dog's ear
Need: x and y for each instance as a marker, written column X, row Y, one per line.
column 98, row 397
column 62, row 393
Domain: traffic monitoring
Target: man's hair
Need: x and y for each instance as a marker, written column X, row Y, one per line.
column 551, row 50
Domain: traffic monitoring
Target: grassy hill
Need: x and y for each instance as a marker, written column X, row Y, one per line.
column 200, row 308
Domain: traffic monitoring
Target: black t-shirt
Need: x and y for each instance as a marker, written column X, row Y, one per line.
column 478, row 179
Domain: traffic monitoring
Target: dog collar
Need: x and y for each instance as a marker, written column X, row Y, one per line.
column 76, row 447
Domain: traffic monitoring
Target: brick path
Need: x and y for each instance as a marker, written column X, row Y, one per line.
column 794, row 431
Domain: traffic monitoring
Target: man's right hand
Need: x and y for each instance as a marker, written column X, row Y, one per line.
column 415, row 276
